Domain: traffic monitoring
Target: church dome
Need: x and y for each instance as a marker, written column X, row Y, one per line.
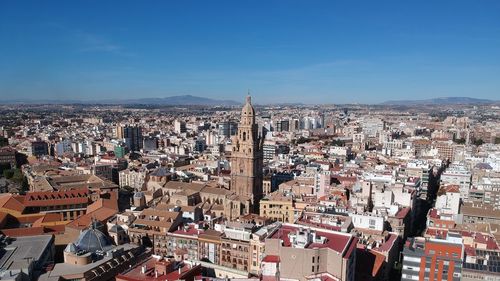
column 248, row 108
column 116, row 229
column 93, row 240
column 96, row 224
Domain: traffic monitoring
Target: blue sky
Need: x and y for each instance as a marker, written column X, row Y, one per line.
column 283, row 51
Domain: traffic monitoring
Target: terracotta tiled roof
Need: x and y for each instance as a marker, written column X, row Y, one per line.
column 271, row 258
column 61, row 197
column 452, row 188
column 3, row 218
column 103, row 203
column 388, row 244
column 30, row 231
column 48, row 218
column 401, row 214
column 9, row 202
column 101, row 213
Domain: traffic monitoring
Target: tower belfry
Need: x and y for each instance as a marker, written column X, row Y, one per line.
column 247, row 156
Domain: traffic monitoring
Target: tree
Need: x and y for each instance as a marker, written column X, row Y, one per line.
column 337, row 142
column 478, row 142
column 25, row 187
column 8, row 174
column 127, row 189
column 4, row 167
column 301, row 140
column 3, row 141
column 18, row 176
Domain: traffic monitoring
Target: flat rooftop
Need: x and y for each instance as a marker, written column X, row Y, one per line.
column 23, row 250
column 334, row 240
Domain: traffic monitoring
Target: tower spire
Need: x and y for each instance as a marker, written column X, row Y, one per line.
column 249, row 98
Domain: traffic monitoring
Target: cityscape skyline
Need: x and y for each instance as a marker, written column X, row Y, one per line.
column 249, row 140
column 283, row 52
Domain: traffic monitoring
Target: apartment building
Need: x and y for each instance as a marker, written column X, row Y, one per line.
column 308, row 253
column 277, row 207
column 433, row 259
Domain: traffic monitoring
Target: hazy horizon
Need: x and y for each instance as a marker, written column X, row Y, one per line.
column 282, row 51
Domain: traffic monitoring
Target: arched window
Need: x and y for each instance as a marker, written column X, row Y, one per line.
column 244, row 136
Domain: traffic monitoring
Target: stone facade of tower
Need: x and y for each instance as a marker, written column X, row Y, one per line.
column 247, row 157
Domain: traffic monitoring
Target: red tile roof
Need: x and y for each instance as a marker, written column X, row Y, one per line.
column 433, row 213
column 271, row 258
column 30, row 231
column 103, row 203
column 191, row 231
column 388, row 244
column 61, row 197
column 452, row 188
column 97, row 210
column 401, row 214
column 48, row 217
column 439, row 232
column 3, row 218
column 9, row 202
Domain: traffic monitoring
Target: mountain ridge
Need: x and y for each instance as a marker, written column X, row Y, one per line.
column 441, row 100
column 171, row 100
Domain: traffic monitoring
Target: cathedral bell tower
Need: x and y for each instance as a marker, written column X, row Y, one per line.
column 247, row 157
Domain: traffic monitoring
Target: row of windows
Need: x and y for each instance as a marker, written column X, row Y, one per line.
column 62, row 207
column 279, row 206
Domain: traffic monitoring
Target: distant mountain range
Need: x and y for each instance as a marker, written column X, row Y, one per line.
column 196, row 100
column 442, row 101
column 173, row 100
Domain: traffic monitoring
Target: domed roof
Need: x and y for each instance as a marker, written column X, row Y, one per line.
column 71, row 248
column 93, row 240
column 116, row 229
column 96, row 224
column 248, row 108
